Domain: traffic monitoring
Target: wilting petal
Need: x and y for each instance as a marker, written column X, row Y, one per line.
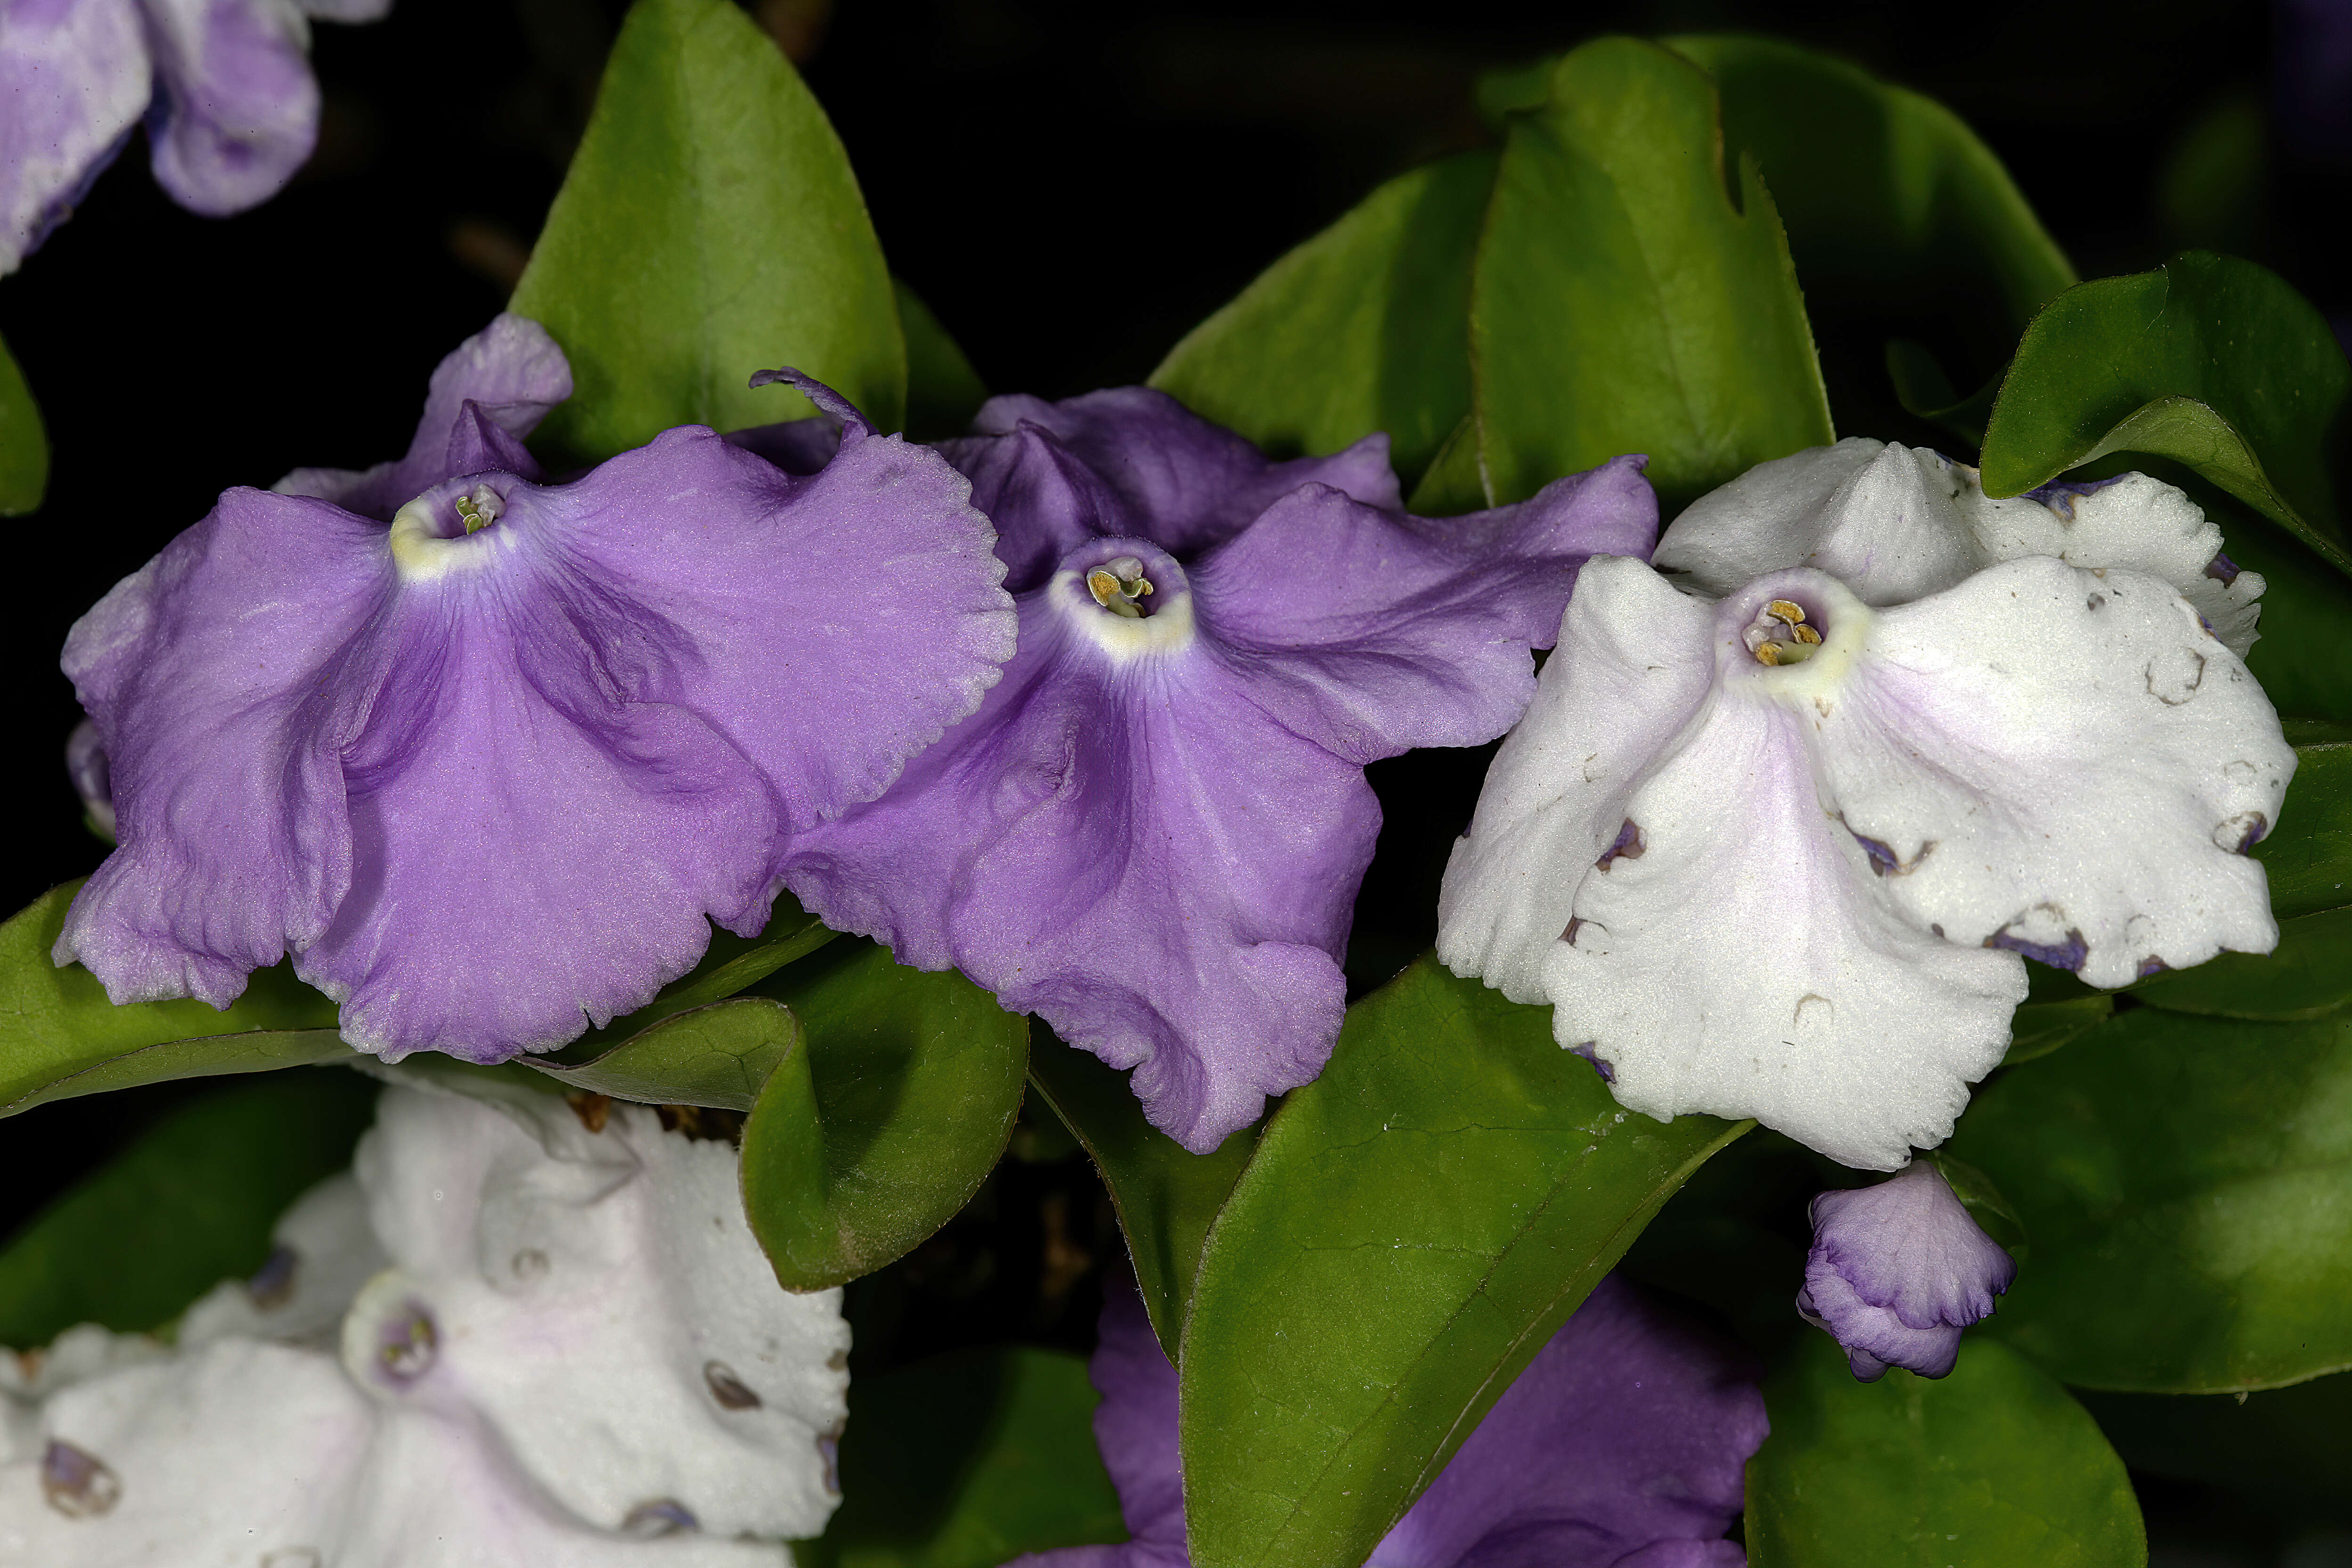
column 202, row 670
column 1630, row 667
column 597, row 1301
column 1152, row 469
column 2065, row 762
column 1896, row 523
column 237, row 109
column 74, row 78
column 489, row 393
column 1626, row 1440
column 1897, row 1270
column 1737, row 956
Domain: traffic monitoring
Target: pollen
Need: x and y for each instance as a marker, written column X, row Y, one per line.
column 1780, row 633
column 1117, row 585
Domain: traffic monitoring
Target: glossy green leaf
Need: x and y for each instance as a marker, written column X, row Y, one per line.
column 1891, row 202
column 2039, row 1028
column 187, row 1205
column 717, row 1054
column 875, row 1134
column 2304, row 657
column 24, row 444
column 202, row 1056
column 967, row 1461
column 1166, row 1195
column 1365, row 327
column 2213, row 362
column 709, row 228
column 1994, row 1467
column 1416, row 1224
column 2278, row 1445
column 2188, row 1185
column 943, row 390
column 2308, row 976
column 1624, row 299
column 57, row 1023
column 2308, row 855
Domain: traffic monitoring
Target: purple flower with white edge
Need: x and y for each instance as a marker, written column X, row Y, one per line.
column 486, row 771
column 1625, row 1442
column 232, row 109
column 1897, row 1270
column 1773, row 837
column 1151, row 832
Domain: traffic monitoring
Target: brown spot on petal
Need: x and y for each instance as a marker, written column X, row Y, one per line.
column 727, row 1388
column 78, row 1483
column 593, row 1110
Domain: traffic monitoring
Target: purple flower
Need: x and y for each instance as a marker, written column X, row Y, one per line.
column 1897, row 1270
column 485, row 771
column 1151, row 832
column 234, row 109
column 1780, row 828
column 1625, row 1442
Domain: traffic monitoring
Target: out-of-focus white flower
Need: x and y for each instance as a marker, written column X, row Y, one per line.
column 503, row 1338
column 1772, row 841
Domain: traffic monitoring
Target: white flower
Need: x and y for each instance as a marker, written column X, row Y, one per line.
column 1771, row 847
column 504, row 1338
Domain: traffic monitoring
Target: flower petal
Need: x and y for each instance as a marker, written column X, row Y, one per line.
column 74, row 77
column 1382, row 632
column 508, row 375
column 1745, row 962
column 1630, row 669
column 237, row 113
column 1896, row 523
column 1132, row 847
column 1626, row 1440
column 598, row 1300
column 202, row 671
column 1178, row 481
column 2063, row 762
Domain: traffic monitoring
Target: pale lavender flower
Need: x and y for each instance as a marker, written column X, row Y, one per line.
column 231, row 106
column 1625, row 1441
column 1152, row 831
column 1897, row 1270
column 1775, row 834
column 486, row 772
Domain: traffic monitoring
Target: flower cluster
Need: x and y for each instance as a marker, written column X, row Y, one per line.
column 502, row 1337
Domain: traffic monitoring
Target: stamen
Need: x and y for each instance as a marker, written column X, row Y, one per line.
column 1117, row 583
column 479, row 509
column 1780, row 633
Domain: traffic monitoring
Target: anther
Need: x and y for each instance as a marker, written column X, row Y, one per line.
column 1117, row 583
column 1780, row 633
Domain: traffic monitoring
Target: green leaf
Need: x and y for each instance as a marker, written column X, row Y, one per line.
column 1365, row 327
column 2309, row 976
column 1416, row 1224
column 2304, row 657
column 873, row 1136
column 2188, row 1185
column 1624, row 300
column 24, row 444
column 717, row 1055
column 204, row 1055
column 1926, row 392
column 709, row 228
column 943, row 391
column 57, row 1023
column 2308, row 855
column 2039, row 1028
column 2281, row 1445
column 732, row 964
column 187, row 1205
column 966, row 1461
column 1166, row 1195
column 1982, row 1199
column 1892, row 204
column 2213, row 362
column 1993, row 1466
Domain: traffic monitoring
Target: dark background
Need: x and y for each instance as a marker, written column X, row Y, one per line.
column 1070, row 187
